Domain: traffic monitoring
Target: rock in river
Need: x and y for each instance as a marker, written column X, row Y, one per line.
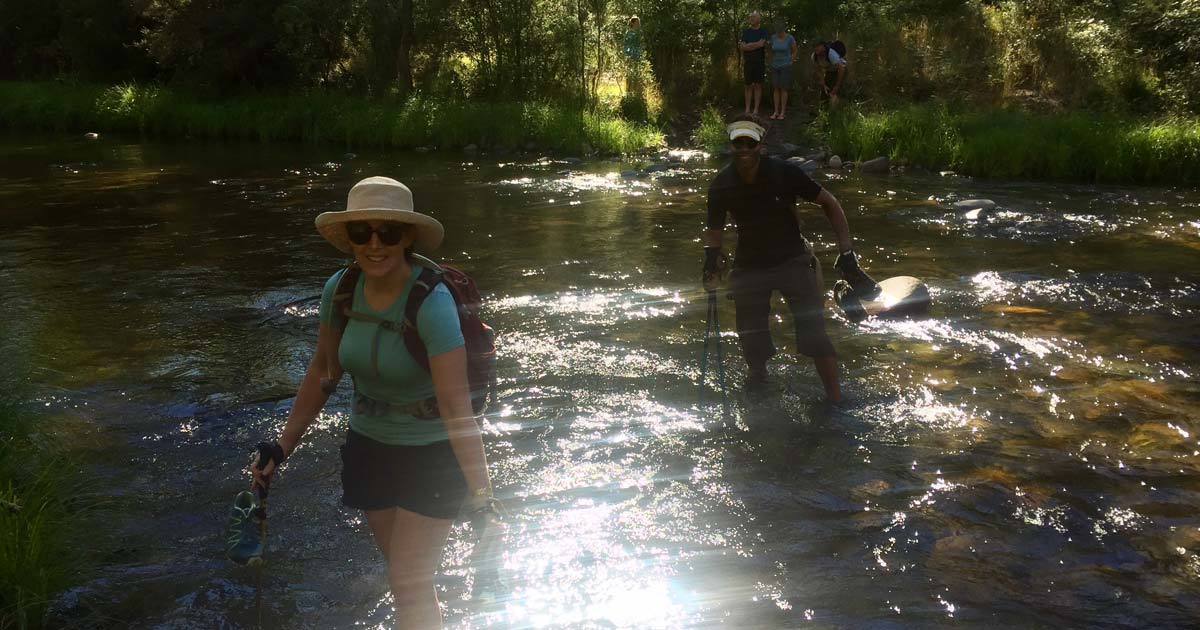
column 877, row 165
column 971, row 204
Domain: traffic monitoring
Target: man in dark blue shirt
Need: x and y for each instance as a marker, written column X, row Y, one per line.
column 754, row 60
column 772, row 254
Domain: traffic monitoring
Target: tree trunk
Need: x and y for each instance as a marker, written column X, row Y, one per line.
column 404, row 78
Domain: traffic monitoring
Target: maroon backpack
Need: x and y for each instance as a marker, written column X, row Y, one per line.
column 479, row 337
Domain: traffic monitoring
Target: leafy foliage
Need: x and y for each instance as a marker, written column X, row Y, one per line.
column 1140, row 55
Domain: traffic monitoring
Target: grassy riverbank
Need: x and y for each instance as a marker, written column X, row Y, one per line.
column 1009, row 144
column 41, row 524
column 1015, row 144
column 318, row 118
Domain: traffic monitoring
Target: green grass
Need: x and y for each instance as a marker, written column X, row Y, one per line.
column 710, row 134
column 318, row 118
column 1016, row 144
column 40, row 520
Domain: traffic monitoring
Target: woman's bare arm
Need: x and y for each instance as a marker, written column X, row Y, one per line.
column 450, row 385
column 310, row 400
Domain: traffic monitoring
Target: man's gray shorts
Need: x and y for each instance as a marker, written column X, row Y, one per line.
column 799, row 281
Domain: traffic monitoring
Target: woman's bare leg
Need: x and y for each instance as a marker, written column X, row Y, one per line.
column 412, row 544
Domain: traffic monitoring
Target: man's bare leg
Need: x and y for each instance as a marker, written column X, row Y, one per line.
column 827, row 369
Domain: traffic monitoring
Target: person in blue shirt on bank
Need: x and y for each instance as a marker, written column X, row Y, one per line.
column 631, row 46
column 760, row 193
column 781, row 53
column 413, row 457
column 753, row 44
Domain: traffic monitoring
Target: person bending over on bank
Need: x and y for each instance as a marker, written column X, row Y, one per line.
column 782, row 54
column 772, row 255
column 829, row 63
column 752, row 45
column 413, row 455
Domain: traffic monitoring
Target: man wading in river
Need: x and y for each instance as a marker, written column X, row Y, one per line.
column 760, row 192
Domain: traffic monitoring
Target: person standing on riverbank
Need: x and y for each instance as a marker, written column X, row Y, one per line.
column 413, row 457
column 631, row 46
column 772, row 255
column 782, row 54
column 752, row 45
column 829, row 64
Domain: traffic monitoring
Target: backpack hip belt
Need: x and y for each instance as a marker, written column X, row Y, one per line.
column 426, row 409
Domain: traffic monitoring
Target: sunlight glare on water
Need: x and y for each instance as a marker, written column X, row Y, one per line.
column 1024, row 455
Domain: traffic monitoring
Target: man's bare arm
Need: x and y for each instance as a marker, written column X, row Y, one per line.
column 713, row 238
column 837, row 219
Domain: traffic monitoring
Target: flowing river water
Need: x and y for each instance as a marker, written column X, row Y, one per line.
column 1025, row 455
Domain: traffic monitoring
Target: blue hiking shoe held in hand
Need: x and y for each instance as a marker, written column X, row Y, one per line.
column 243, row 543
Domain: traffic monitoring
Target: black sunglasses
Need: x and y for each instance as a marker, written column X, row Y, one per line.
column 360, row 232
column 745, row 143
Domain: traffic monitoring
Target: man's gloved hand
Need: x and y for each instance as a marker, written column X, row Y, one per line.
column 864, row 286
column 714, row 267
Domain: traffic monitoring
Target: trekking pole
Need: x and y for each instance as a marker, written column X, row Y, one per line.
column 712, row 308
column 712, row 329
column 264, row 456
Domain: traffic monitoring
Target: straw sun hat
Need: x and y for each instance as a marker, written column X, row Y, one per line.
column 380, row 199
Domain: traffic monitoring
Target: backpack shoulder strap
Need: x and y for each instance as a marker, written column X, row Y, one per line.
column 343, row 300
column 343, row 295
column 425, row 284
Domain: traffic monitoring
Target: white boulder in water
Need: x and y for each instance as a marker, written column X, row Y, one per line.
column 91, row 135
column 978, row 214
column 898, row 296
column 971, row 204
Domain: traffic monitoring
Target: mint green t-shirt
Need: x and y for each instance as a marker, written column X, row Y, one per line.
column 401, row 379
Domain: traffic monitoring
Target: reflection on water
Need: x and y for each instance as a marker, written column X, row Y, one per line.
column 1025, row 455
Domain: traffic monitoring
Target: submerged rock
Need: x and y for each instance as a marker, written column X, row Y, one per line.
column 835, row 162
column 349, row 156
column 657, row 168
column 471, row 149
column 630, row 174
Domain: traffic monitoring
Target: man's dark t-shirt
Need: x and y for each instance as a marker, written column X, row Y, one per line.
column 767, row 227
column 751, row 35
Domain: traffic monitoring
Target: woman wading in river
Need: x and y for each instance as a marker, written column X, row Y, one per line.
column 409, row 467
